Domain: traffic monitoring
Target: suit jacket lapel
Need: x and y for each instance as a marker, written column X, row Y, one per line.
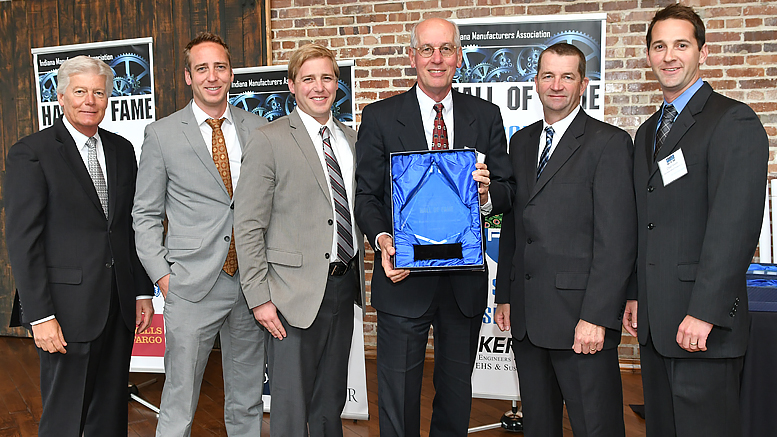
column 650, row 141
column 412, row 137
column 69, row 152
column 463, row 119
column 530, row 152
column 563, row 151
column 111, row 167
column 683, row 123
column 243, row 133
column 306, row 146
column 192, row 133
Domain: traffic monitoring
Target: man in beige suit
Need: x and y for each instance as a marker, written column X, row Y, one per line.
column 299, row 249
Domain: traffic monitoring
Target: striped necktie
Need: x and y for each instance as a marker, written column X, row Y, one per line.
column 340, row 198
column 96, row 173
column 546, row 151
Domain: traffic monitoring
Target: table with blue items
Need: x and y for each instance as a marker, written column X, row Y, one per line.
column 759, row 384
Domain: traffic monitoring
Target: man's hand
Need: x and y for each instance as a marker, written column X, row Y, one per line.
column 163, row 283
column 48, row 336
column 502, row 316
column 267, row 315
column 589, row 338
column 692, row 334
column 630, row 317
column 387, row 250
column 144, row 312
column 482, row 175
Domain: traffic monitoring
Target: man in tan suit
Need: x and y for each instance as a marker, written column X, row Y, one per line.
column 299, row 249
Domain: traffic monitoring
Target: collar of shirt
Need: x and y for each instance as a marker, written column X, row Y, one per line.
column 345, row 160
column 234, row 151
column 559, row 128
column 682, row 100
column 80, row 140
column 428, row 114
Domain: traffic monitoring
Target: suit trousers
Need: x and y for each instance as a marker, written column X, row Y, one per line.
column 308, row 369
column 589, row 385
column 690, row 397
column 85, row 390
column 190, row 333
column 401, row 352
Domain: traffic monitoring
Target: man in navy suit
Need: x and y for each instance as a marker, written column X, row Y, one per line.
column 566, row 255
column 408, row 304
column 68, row 200
column 700, row 169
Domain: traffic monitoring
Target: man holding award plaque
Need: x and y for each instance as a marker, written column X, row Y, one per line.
column 566, row 255
column 428, row 117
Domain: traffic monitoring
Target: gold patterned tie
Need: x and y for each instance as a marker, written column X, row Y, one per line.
column 221, row 159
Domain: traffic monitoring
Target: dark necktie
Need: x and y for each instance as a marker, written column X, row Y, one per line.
column 666, row 125
column 545, row 156
column 96, row 173
column 221, row 159
column 439, row 133
column 340, row 198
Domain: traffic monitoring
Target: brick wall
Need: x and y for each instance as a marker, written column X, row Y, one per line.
column 741, row 36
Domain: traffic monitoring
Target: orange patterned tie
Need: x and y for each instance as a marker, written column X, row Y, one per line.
column 221, row 159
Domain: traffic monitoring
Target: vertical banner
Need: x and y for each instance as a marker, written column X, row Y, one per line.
column 499, row 65
column 131, row 107
column 264, row 92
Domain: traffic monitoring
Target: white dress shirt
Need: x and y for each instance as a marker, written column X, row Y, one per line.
column 559, row 128
column 345, row 160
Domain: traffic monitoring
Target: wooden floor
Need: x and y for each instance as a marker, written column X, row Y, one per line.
column 21, row 403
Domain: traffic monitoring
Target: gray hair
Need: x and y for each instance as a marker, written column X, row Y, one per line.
column 414, row 35
column 83, row 65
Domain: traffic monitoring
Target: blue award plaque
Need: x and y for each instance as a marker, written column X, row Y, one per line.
column 436, row 211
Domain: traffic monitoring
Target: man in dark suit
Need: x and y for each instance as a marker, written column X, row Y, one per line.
column 566, row 254
column 700, row 168
column 407, row 304
column 68, row 198
column 300, row 250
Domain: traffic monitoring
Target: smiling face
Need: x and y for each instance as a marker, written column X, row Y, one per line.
column 435, row 74
column 210, row 77
column 84, row 102
column 559, row 85
column 315, row 88
column 675, row 57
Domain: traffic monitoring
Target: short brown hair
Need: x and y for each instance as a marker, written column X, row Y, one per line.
column 199, row 39
column 565, row 49
column 310, row 51
column 679, row 12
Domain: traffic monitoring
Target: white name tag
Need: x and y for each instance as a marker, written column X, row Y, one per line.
column 673, row 167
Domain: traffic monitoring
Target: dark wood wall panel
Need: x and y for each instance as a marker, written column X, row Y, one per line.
column 24, row 24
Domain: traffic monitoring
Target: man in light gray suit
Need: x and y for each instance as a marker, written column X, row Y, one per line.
column 300, row 249
column 189, row 165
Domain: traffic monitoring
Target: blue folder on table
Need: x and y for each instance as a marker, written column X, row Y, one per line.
column 436, row 211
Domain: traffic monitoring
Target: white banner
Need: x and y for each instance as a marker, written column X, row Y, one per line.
column 499, row 65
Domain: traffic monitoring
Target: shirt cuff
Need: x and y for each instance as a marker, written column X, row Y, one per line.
column 45, row 319
column 487, row 207
column 377, row 246
column 143, row 297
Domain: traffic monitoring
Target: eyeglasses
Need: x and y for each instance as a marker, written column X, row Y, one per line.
column 446, row 50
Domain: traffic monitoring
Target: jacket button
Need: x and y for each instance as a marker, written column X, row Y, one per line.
column 231, row 206
column 329, row 222
column 731, row 314
column 528, row 241
column 651, row 226
column 528, row 276
column 226, row 238
column 650, row 188
column 326, row 255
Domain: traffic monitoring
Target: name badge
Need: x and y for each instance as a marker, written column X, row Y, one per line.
column 673, row 167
